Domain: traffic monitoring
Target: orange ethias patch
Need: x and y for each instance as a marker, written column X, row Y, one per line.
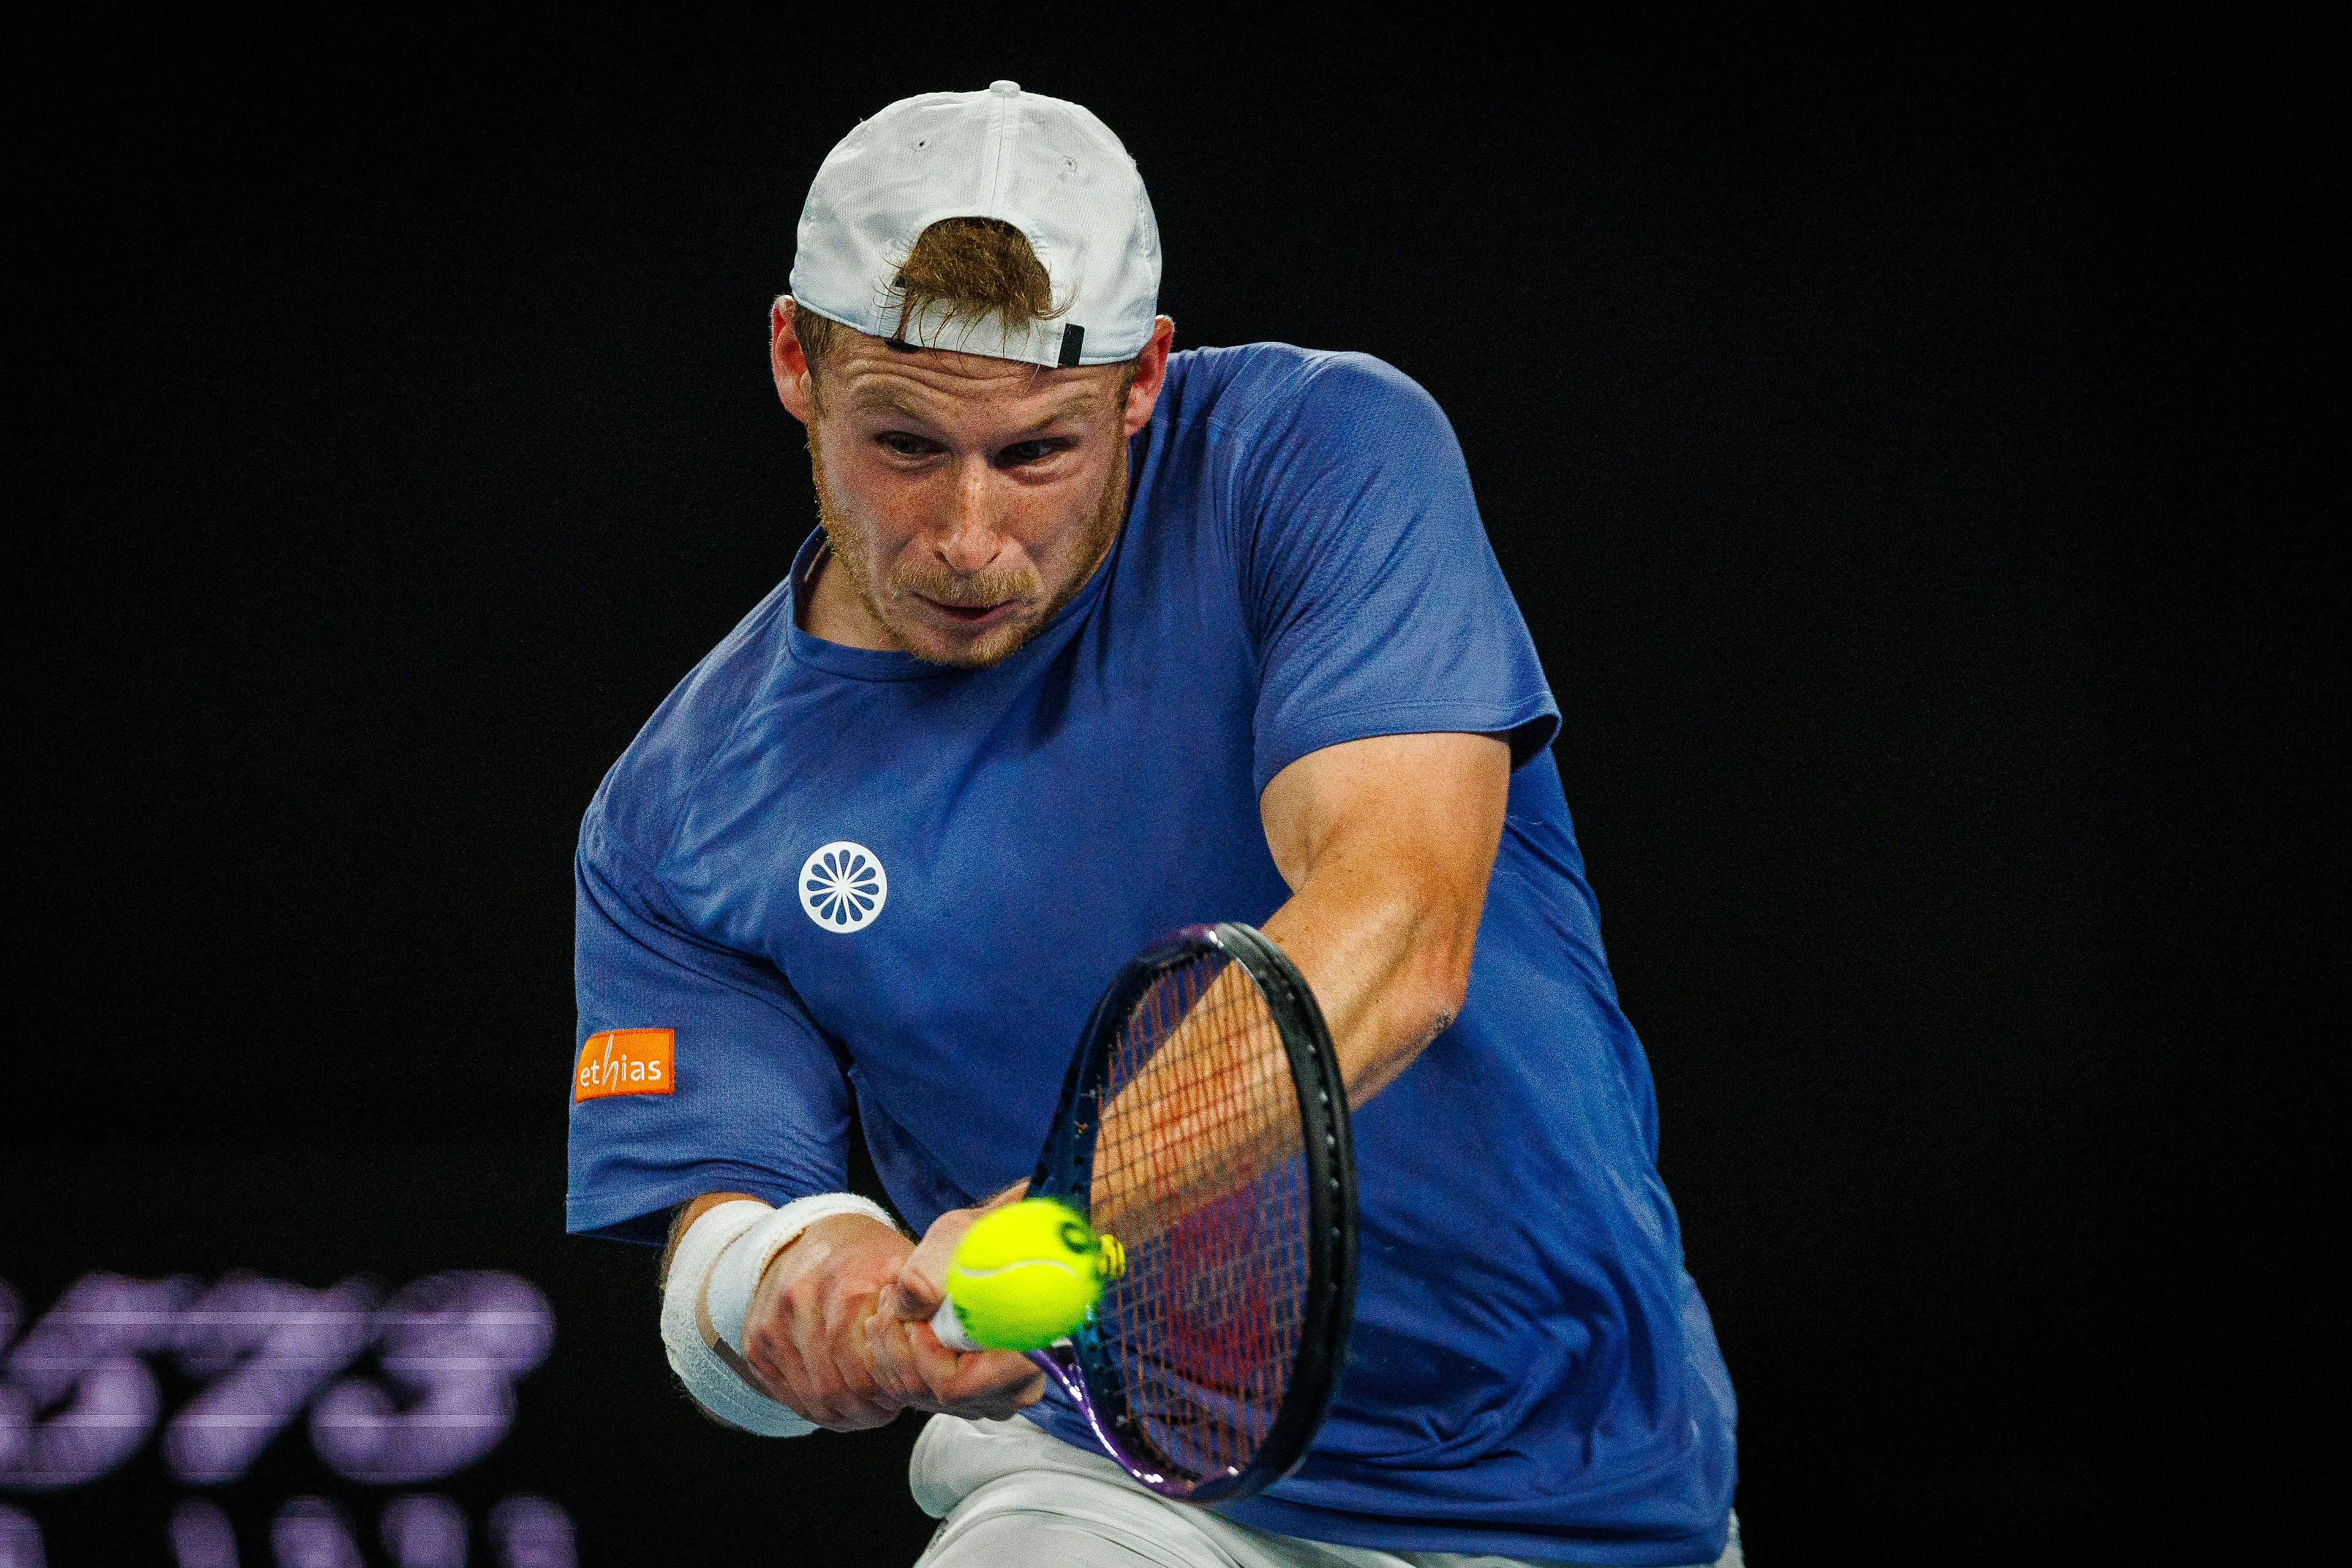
column 626, row 1061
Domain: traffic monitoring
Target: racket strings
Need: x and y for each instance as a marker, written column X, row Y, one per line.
column 1200, row 1173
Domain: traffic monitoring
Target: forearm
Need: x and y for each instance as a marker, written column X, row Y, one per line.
column 1387, row 845
column 683, row 1219
column 1388, row 966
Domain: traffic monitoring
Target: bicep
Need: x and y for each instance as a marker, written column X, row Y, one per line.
column 1427, row 808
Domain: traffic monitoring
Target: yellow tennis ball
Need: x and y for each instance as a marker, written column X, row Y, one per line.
column 1027, row 1274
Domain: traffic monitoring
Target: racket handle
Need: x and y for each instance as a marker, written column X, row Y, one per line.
column 949, row 1327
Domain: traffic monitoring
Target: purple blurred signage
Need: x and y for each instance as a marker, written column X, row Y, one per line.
column 77, row 1398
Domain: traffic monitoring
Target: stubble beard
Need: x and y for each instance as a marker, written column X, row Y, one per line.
column 999, row 643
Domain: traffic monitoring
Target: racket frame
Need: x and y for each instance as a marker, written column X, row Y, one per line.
column 1081, row 1365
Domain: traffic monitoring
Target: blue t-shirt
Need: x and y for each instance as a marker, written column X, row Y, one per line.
column 834, row 871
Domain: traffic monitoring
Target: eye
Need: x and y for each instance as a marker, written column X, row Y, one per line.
column 904, row 445
column 1025, row 452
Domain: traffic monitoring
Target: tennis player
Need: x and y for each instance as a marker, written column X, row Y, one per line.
column 1098, row 639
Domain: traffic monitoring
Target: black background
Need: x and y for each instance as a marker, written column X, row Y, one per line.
column 1889, row 439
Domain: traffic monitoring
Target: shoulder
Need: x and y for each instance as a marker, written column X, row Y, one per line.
column 636, row 807
column 1257, row 382
column 1289, row 400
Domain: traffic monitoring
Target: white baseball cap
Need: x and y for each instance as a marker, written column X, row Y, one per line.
column 1049, row 168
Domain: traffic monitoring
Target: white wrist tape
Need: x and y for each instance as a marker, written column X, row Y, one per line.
column 716, row 1266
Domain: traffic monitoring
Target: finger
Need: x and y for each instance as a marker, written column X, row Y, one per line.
column 849, row 1376
column 794, row 1379
column 915, row 1295
column 913, row 1301
column 925, row 1271
column 919, row 1361
column 882, row 1356
column 859, row 1418
column 808, row 1362
column 896, row 1369
column 956, row 1380
column 934, row 1362
column 996, row 1407
column 784, row 1379
column 1006, row 1401
column 871, row 1366
column 843, row 1407
column 985, row 1373
column 769, row 1351
column 837, row 1396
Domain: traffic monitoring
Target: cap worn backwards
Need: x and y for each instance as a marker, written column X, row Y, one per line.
column 1048, row 168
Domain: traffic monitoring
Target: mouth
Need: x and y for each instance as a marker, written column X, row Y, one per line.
column 969, row 614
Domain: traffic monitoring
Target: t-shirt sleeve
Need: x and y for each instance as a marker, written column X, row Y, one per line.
column 756, row 1102
column 1376, row 602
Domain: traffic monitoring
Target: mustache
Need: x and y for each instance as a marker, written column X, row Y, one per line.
column 940, row 585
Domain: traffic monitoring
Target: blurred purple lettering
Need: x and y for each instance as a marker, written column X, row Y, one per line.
column 85, row 1402
column 202, row 1536
column 453, row 1346
column 20, row 1540
column 268, row 1346
column 424, row 1533
column 15, row 1404
column 76, row 1398
column 532, row 1532
column 310, row 1532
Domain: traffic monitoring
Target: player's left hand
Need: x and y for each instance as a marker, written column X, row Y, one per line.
column 910, row 1363
column 802, row 1336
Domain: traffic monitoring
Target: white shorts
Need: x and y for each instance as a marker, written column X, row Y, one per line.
column 1011, row 1496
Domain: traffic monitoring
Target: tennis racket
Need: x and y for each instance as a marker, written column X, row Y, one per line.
column 1203, row 1126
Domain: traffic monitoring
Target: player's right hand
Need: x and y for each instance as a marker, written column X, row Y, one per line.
column 981, row 1385
column 806, row 1331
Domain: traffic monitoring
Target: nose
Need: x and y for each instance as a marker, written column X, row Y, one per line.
column 970, row 542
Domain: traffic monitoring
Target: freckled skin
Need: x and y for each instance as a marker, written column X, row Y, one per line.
column 966, row 498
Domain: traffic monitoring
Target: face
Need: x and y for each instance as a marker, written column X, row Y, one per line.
column 966, row 498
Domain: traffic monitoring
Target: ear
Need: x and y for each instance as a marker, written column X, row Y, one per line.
column 1150, row 374
column 794, row 386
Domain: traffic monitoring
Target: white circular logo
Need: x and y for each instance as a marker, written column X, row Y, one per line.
column 843, row 887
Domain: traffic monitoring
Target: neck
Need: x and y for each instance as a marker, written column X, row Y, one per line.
column 827, row 604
